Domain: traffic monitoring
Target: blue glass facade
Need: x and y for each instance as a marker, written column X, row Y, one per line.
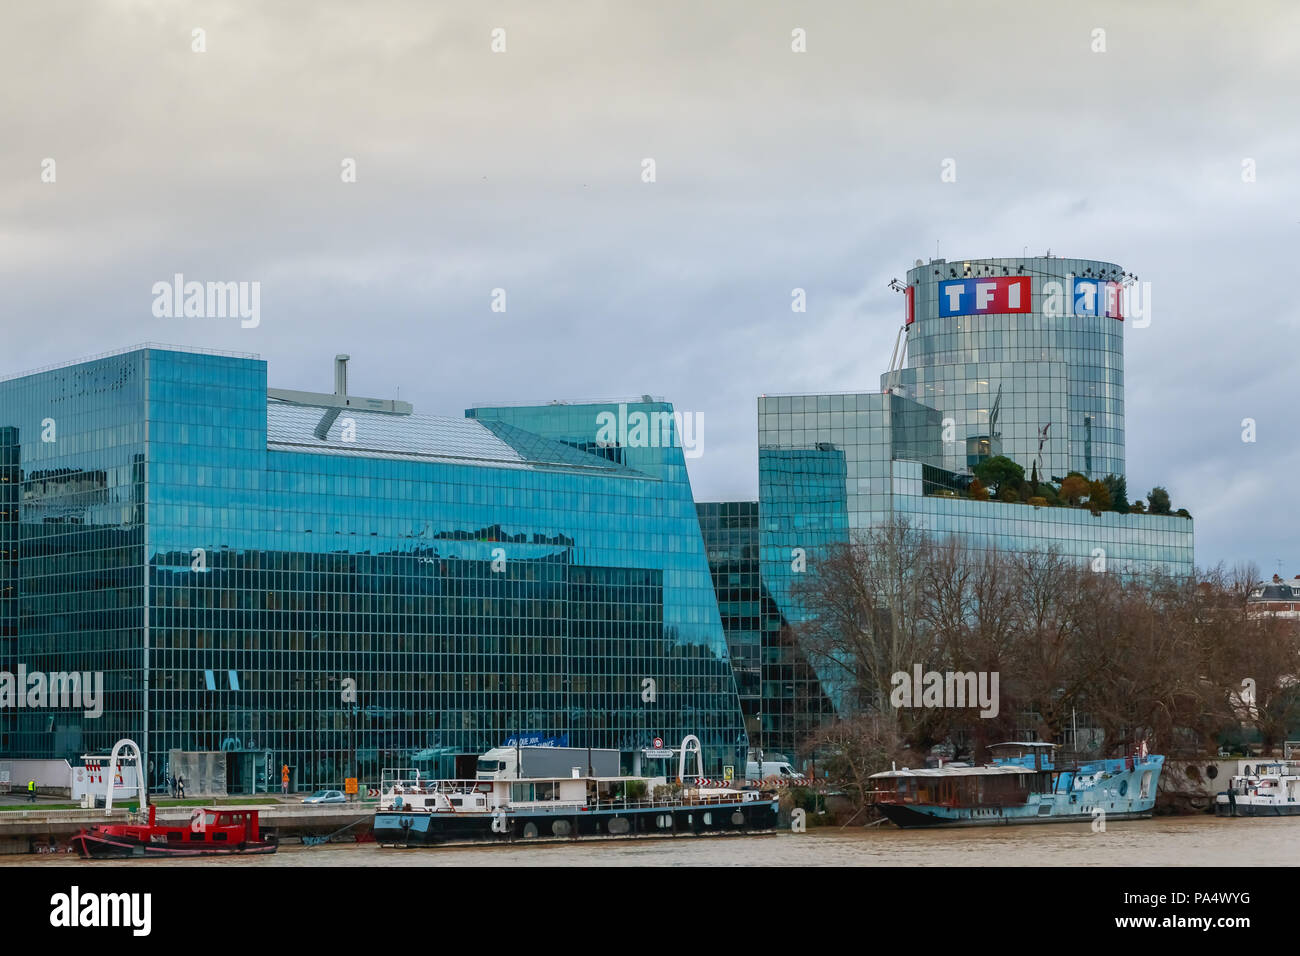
column 250, row 558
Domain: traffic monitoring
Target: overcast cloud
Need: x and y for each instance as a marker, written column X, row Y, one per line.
column 522, row 170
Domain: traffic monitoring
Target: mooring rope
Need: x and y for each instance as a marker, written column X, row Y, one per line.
column 318, row 840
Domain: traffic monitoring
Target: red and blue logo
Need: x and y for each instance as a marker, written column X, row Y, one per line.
column 1097, row 297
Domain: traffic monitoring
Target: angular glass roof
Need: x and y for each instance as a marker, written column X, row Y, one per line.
column 291, row 427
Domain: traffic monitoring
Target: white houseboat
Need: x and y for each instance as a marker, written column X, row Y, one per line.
column 496, row 809
column 1262, row 789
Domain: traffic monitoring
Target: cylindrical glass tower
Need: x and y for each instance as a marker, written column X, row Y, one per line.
column 1022, row 357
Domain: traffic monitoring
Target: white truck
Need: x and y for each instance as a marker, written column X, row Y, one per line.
column 511, row 763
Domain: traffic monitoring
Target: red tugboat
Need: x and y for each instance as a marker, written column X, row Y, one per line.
column 209, row 833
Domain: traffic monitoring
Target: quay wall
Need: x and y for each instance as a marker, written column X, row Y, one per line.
column 1189, row 786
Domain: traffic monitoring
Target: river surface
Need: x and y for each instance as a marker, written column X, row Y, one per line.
column 1165, row 841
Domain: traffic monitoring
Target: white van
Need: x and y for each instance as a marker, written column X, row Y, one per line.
column 771, row 768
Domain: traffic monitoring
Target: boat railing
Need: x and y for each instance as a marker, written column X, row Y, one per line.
column 395, row 786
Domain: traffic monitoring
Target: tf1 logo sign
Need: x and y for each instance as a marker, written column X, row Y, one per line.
column 985, row 296
column 1086, row 297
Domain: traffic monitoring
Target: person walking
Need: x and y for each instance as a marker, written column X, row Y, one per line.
column 284, row 780
column 180, row 787
column 31, row 791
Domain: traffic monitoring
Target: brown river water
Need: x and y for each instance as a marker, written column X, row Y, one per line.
column 1165, row 841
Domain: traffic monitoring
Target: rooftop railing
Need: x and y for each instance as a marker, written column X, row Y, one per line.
column 197, row 350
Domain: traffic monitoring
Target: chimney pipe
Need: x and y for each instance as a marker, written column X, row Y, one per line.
column 341, row 375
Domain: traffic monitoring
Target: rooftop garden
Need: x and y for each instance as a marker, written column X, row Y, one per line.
column 1000, row 479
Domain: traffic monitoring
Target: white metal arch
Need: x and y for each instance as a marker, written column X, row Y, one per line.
column 134, row 750
column 681, row 757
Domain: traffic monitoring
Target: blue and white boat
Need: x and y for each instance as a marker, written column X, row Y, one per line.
column 1023, row 784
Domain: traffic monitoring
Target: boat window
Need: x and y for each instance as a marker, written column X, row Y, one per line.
column 521, row 792
column 545, row 791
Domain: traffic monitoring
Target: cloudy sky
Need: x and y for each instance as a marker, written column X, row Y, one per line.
column 522, row 170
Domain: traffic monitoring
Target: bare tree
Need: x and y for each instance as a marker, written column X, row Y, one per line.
column 1157, row 658
column 969, row 606
column 1057, row 595
column 1266, row 653
column 865, row 619
column 849, row 751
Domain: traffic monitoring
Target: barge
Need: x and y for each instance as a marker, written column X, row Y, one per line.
column 415, row 812
column 1022, row 785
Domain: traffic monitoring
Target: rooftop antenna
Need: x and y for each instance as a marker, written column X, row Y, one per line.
column 341, row 375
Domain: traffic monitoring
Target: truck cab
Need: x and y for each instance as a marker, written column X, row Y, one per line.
column 499, row 763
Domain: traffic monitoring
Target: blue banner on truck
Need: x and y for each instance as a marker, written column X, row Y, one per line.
column 536, row 740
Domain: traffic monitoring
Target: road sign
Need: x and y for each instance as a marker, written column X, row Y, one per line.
column 350, row 785
column 659, row 743
column 728, row 773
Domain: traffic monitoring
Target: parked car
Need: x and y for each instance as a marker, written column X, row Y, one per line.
column 326, row 796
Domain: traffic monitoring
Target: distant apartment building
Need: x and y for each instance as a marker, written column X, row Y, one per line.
column 1276, row 598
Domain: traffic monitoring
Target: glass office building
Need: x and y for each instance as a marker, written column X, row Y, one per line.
column 337, row 584
column 992, row 368
column 780, row 695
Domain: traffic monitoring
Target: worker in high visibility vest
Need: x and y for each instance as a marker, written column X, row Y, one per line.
column 284, row 779
column 31, row 791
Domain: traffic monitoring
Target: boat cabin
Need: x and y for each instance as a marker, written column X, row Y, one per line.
column 1273, row 781
column 405, row 790
column 207, row 826
column 1025, row 753
column 961, row 787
